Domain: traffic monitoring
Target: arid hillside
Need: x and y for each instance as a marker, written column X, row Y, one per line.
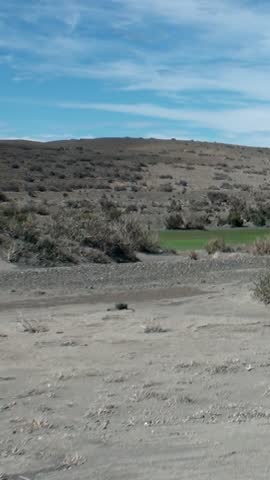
column 96, row 200
column 143, row 176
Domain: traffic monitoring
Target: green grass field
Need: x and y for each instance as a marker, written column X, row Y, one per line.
column 197, row 239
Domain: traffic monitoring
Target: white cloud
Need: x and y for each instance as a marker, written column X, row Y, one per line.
column 242, row 120
column 210, row 58
column 228, row 37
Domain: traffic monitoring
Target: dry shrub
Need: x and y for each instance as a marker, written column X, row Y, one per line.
column 217, row 245
column 235, row 218
column 262, row 289
column 143, row 239
column 3, row 197
column 193, row 255
column 196, row 221
column 174, row 221
column 18, row 224
column 46, row 253
column 73, row 236
column 262, row 246
column 154, row 327
column 121, row 306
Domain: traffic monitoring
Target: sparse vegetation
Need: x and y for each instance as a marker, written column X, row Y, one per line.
column 216, row 245
column 3, row 197
column 262, row 288
column 82, row 235
column 235, row 218
column 262, row 246
column 121, row 306
column 174, row 221
column 154, row 327
column 193, row 255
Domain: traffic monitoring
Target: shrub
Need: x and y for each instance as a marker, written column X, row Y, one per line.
column 257, row 218
column 82, row 235
column 262, row 246
column 46, row 252
column 193, row 255
column 216, row 245
column 235, row 218
column 143, row 239
column 121, row 306
column 217, row 197
column 3, row 197
column 166, row 187
column 196, row 221
column 174, row 206
column 262, row 289
column 18, row 224
column 109, row 208
column 174, row 221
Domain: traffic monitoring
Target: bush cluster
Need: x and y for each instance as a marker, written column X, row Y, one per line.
column 73, row 236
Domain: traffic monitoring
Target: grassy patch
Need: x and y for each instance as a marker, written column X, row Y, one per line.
column 197, row 239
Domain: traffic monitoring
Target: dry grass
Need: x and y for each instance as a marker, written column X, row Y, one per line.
column 72, row 460
column 262, row 246
column 217, row 245
column 31, row 326
column 262, row 289
column 154, row 327
column 193, row 255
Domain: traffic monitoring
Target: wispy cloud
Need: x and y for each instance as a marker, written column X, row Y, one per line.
column 243, row 120
column 196, row 61
column 229, row 48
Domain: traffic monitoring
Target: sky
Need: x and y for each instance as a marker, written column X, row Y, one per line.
column 185, row 69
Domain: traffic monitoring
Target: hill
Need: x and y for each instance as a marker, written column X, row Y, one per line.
column 142, row 175
column 59, row 190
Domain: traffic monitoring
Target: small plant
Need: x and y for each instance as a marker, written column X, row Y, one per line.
column 235, row 218
column 72, row 460
column 31, row 326
column 216, row 245
column 193, row 255
column 195, row 221
column 121, row 306
column 257, row 217
column 174, row 221
column 153, row 327
column 262, row 289
column 3, row 197
column 262, row 246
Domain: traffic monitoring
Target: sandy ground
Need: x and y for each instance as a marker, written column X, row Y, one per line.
column 91, row 395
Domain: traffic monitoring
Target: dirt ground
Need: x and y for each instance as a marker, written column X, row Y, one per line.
column 175, row 387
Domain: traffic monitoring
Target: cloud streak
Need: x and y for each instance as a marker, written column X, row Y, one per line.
column 209, row 58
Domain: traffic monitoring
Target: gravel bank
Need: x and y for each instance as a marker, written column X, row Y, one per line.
column 160, row 272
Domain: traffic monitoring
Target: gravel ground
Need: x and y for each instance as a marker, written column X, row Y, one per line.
column 153, row 272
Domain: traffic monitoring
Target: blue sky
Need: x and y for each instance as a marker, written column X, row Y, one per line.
column 191, row 69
